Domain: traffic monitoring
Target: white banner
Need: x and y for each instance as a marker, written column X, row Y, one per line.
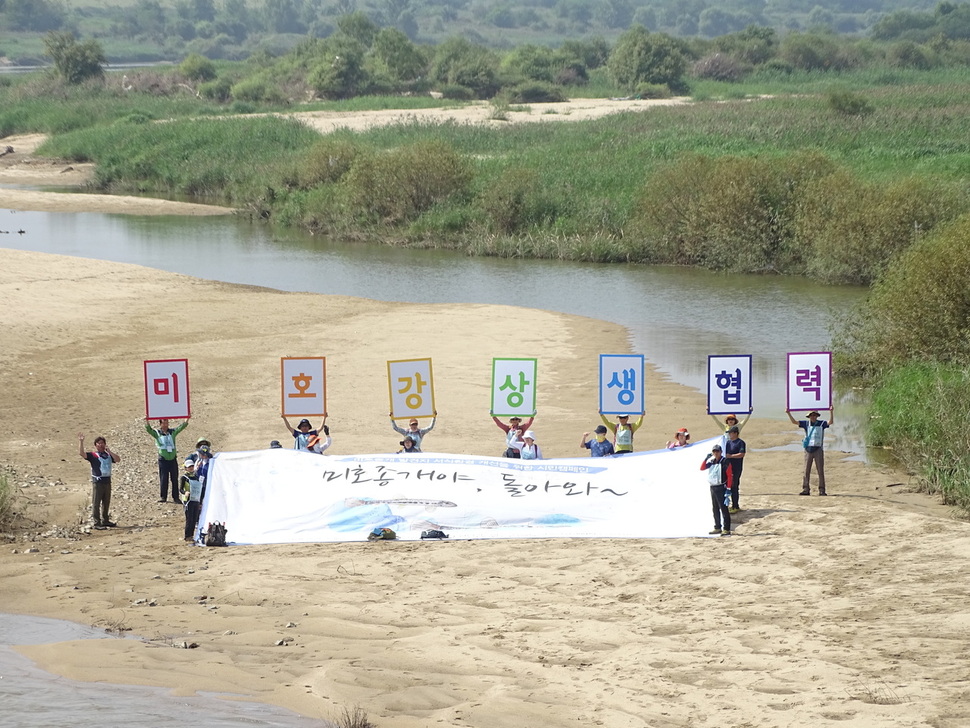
column 622, row 386
column 167, row 389
column 729, row 384
column 288, row 496
column 513, row 387
column 411, row 386
column 304, row 386
column 810, row 381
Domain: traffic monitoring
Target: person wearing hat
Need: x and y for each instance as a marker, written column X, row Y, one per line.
column 814, row 452
column 599, row 446
column 168, row 467
column 317, row 444
column 275, row 445
column 734, row 451
column 407, row 446
column 715, row 465
column 622, row 432
column 732, row 421
column 414, row 432
column 191, row 488
column 510, row 430
column 304, row 431
column 527, row 446
column 681, row 439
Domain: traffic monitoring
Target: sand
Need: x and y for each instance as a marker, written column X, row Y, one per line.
column 844, row 610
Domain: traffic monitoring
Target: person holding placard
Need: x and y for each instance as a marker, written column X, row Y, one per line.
column 622, row 432
column 168, row 468
column 100, row 459
column 599, row 446
column 303, row 432
column 415, row 432
column 732, row 421
column 510, row 430
column 814, row 451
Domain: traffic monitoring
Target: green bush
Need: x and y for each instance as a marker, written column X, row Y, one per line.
column 257, row 90
column 515, row 202
column 731, row 213
column 918, row 309
column 855, row 230
column 533, row 92
column 198, row 68
column 652, row 91
column 922, row 412
column 219, row 90
column 327, row 162
column 848, row 103
column 454, row 92
column 396, row 186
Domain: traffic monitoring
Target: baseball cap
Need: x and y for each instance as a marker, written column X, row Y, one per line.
column 601, row 430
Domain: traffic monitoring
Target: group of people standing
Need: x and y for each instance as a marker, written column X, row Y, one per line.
column 724, row 464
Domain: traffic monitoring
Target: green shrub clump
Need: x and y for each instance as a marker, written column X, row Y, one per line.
column 197, row 68
column 396, row 186
column 922, row 412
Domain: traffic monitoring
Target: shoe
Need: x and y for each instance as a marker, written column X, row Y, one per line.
column 725, row 533
column 110, row 524
column 715, row 532
column 100, row 528
column 822, row 492
column 734, row 510
column 805, row 492
column 163, row 500
column 190, row 540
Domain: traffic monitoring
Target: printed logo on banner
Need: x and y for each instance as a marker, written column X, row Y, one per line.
column 304, row 386
column 513, row 387
column 622, row 388
column 411, row 387
column 810, row 381
column 167, row 389
column 729, row 384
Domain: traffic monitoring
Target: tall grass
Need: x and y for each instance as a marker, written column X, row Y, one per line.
column 6, row 501
column 921, row 411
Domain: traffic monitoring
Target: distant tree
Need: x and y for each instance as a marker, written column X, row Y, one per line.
column 75, row 62
column 36, row 15
column 616, row 13
column 643, row 57
column 755, row 44
column 592, row 53
column 340, row 74
column 717, row 21
column 459, row 62
column 820, row 17
column 359, row 27
column 282, row 16
column 398, row 57
column 895, row 25
column 536, row 63
column 146, row 17
column 196, row 11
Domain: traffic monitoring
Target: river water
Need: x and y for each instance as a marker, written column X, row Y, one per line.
column 675, row 317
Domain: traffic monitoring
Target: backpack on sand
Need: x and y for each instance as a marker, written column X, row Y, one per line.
column 215, row 535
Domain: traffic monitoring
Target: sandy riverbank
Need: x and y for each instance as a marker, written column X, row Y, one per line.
column 846, row 609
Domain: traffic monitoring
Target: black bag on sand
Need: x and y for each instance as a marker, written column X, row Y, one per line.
column 215, row 535
column 432, row 533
